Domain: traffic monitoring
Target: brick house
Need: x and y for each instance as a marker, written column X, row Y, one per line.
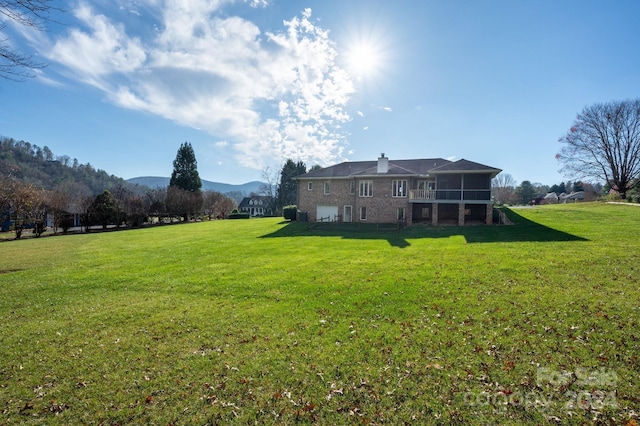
column 433, row 191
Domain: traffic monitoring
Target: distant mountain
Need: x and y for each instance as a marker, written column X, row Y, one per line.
column 223, row 188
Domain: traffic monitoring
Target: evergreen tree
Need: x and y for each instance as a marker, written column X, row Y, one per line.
column 525, row 192
column 184, row 197
column 562, row 188
column 185, row 170
column 104, row 210
column 287, row 192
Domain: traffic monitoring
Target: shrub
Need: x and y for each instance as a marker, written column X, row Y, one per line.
column 613, row 197
column 238, row 216
column 65, row 224
column 289, row 212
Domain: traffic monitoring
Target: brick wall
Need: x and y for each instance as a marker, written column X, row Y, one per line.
column 381, row 207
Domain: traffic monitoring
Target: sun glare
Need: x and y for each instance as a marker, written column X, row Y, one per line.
column 363, row 60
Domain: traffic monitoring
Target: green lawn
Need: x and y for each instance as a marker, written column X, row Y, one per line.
column 261, row 321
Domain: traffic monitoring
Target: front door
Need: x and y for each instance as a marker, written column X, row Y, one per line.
column 347, row 214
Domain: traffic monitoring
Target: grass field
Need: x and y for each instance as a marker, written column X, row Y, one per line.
column 261, row 321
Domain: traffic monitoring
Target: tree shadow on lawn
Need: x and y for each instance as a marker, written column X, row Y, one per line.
column 522, row 230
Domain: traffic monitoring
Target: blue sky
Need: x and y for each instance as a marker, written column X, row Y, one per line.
column 251, row 83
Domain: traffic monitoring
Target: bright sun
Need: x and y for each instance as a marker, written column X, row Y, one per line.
column 363, row 60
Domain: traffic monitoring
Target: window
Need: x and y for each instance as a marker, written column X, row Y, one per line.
column 401, row 214
column 310, row 186
column 363, row 213
column 352, row 187
column 399, row 188
column 366, row 188
column 327, row 187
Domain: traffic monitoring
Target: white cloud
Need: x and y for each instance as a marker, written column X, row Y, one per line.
column 102, row 52
column 44, row 79
column 269, row 94
column 221, row 144
column 258, row 3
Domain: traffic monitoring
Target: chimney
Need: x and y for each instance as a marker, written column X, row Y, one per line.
column 383, row 164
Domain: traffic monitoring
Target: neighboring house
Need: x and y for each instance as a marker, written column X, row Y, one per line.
column 73, row 215
column 572, row 197
column 256, row 205
column 550, row 198
column 563, row 198
column 434, row 191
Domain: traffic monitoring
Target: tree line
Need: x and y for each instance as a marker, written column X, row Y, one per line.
column 24, row 206
column 505, row 190
column 67, row 203
column 38, row 188
column 602, row 144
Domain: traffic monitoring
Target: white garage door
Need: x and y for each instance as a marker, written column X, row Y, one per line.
column 326, row 213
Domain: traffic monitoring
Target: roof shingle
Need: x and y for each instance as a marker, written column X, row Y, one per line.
column 397, row 167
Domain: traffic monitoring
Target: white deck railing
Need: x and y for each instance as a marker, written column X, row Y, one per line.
column 450, row 194
column 422, row 194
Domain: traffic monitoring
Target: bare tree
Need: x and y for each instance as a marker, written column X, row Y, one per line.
column 135, row 210
column 217, row 205
column 5, row 192
column 604, row 142
column 84, row 204
column 26, row 205
column 269, row 182
column 70, row 199
column 226, row 206
column 184, row 203
column 122, row 195
column 503, row 188
column 211, row 203
column 15, row 65
column 155, row 199
column 268, row 188
column 58, row 204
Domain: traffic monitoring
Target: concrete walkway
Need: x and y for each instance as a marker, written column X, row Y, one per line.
column 623, row 204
